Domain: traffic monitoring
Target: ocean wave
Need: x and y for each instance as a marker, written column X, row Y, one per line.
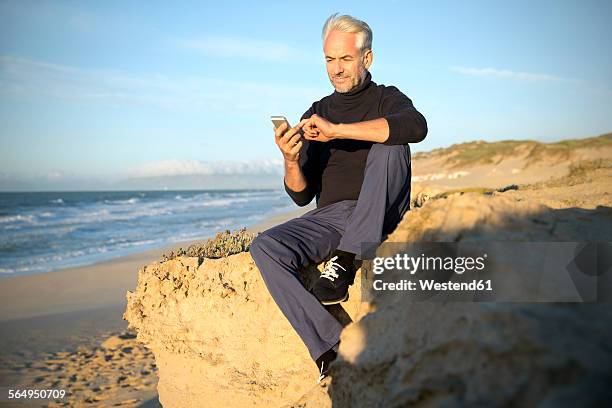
column 57, row 201
column 100, row 216
column 30, row 218
column 112, row 245
column 130, row 201
column 199, row 196
column 137, row 243
column 72, row 258
column 250, row 194
column 105, row 215
column 228, row 201
column 195, row 235
column 91, row 214
column 92, row 227
column 221, row 202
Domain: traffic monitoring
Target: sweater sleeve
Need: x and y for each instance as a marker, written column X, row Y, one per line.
column 309, row 164
column 406, row 124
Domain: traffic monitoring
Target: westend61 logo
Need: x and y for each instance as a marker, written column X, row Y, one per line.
column 440, row 270
column 414, row 264
column 485, row 271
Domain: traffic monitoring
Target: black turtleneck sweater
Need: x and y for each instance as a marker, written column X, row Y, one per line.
column 334, row 170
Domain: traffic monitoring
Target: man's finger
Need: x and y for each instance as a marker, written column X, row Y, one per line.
column 280, row 130
column 285, row 142
column 312, row 132
column 290, row 133
column 311, row 127
column 294, row 139
column 295, row 149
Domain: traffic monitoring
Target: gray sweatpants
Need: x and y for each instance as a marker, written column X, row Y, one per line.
column 280, row 251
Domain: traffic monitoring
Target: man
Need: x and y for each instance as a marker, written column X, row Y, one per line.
column 350, row 151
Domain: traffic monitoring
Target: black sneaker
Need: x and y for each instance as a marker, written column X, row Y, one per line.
column 338, row 274
column 323, row 363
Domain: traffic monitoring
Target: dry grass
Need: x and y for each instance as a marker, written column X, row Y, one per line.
column 579, row 173
column 481, row 152
column 563, row 150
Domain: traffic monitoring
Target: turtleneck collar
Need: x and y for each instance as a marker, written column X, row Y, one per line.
column 354, row 94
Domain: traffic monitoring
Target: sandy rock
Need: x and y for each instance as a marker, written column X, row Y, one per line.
column 218, row 336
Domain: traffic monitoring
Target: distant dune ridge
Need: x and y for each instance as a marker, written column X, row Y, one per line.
column 494, row 164
column 219, row 339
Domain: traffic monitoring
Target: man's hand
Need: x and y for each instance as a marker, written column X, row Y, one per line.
column 289, row 141
column 319, row 129
column 322, row 130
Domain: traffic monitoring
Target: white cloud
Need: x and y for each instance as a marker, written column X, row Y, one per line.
column 247, row 48
column 23, row 78
column 171, row 168
column 248, row 174
column 508, row 74
column 168, row 168
column 56, row 175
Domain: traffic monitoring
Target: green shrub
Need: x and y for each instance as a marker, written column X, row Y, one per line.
column 223, row 244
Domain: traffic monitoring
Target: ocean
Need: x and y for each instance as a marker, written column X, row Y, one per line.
column 46, row 231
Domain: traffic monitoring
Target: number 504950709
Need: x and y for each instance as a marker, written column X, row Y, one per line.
column 36, row 394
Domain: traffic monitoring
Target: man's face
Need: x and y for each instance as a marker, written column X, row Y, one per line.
column 346, row 66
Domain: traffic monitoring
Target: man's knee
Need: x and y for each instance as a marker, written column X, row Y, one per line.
column 268, row 246
column 256, row 245
column 262, row 243
column 394, row 161
column 389, row 155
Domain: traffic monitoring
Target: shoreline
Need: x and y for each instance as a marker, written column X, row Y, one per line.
column 161, row 247
column 72, row 289
column 78, row 307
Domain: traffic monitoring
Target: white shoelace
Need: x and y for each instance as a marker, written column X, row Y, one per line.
column 321, row 375
column 331, row 269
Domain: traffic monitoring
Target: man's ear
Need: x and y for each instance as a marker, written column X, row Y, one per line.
column 368, row 56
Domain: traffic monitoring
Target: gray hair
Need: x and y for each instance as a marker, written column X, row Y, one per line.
column 349, row 24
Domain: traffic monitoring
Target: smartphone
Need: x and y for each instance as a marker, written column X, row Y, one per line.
column 279, row 120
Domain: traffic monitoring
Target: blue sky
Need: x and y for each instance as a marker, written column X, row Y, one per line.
column 97, row 92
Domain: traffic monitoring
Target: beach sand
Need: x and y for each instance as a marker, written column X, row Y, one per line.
column 53, row 325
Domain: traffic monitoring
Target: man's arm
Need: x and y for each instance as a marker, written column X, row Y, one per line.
column 401, row 124
column 406, row 124
column 376, row 130
column 301, row 181
column 295, row 180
